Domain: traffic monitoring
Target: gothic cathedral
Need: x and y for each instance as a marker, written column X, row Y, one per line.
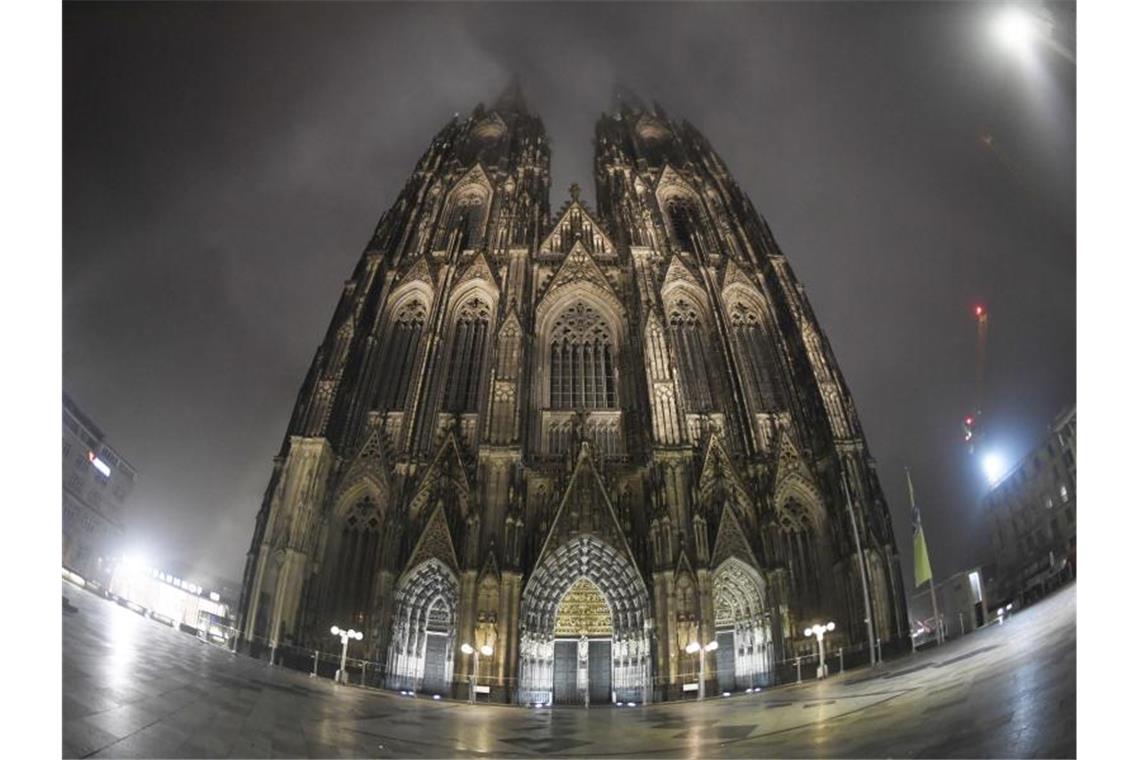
column 581, row 440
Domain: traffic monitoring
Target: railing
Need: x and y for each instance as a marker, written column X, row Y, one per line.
column 320, row 663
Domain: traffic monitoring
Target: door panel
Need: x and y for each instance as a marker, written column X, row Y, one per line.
column 600, row 671
column 435, row 664
column 726, row 660
column 566, row 673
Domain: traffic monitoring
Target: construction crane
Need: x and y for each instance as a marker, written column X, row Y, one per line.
column 972, row 424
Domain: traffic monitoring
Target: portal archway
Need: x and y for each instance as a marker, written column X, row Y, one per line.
column 744, row 641
column 562, row 617
column 422, row 651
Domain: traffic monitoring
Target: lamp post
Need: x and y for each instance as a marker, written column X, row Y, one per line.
column 468, row 649
column 818, row 631
column 693, row 648
column 342, row 673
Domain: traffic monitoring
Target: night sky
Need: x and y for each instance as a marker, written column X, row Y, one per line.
column 224, row 166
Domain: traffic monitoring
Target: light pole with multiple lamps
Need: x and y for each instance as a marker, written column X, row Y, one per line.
column 468, row 649
column 342, row 673
column 693, row 648
column 818, row 631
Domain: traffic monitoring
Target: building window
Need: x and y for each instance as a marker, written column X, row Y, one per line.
column 689, row 340
column 583, row 371
column 468, row 347
column 399, row 358
column 1064, row 494
column 1049, row 503
column 759, row 357
column 683, row 221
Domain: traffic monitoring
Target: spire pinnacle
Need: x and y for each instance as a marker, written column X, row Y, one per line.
column 511, row 99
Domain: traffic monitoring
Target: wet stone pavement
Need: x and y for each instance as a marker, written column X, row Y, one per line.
column 135, row 688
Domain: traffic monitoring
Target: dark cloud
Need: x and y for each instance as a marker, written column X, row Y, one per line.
column 225, row 163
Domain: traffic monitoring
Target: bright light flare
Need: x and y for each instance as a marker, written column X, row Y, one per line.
column 1015, row 29
column 994, row 466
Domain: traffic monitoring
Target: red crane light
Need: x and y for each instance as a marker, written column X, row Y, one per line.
column 979, row 310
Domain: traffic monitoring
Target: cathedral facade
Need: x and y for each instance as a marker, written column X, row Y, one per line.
column 583, row 439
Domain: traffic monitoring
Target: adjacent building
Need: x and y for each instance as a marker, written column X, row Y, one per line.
column 1031, row 516
column 962, row 606
column 587, row 439
column 97, row 481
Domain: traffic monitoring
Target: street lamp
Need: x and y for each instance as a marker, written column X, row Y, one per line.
column 818, row 631
column 468, row 649
column 342, row 673
column 693, row 648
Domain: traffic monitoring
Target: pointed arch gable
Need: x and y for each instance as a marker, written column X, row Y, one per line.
column 436, row 543
column 446, row 464
column 731, row 541
column 556, row 240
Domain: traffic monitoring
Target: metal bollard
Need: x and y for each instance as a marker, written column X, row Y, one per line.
column 879, row 649
column 840, row 659
column 363, row 670
column 273, row 653
column 798, row 679
column 316, row 658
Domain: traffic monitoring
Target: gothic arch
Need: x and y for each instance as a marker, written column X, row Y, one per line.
column 752, row 333
column 743, row 627
column 615, row 576
column 601, row 326
column 353, row 549
column 688, row 324
column 405, row 322
column 470, row 322
column 424, row 627
column 466, row 211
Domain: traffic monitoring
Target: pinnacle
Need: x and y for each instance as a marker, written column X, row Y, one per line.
column 511, row 100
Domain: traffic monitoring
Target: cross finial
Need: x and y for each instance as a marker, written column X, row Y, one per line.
column 575, row 191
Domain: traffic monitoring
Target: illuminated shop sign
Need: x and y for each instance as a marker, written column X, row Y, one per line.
column 177, row 582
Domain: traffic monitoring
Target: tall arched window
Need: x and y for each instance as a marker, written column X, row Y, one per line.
column 357, row 555
column 400, row 355
column 466, row 220
column 755, row 346
column 683, row 219
column 689, row 341
column 583, row 372
column 468, row 347
column 798, row 547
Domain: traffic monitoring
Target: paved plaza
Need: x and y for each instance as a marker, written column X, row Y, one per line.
column 135, row 688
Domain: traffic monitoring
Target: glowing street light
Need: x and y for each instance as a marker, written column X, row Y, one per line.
column 994, row 466
column 468, row 649
column 693, row 648
column 818, row 631
column 342, row 673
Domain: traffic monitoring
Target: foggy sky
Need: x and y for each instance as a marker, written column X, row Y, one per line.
column 224, row 166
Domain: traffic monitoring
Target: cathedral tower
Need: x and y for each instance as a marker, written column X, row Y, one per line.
column 585, row 439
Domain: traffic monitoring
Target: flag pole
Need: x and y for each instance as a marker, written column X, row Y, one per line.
column 933, row 596
column 862, row 570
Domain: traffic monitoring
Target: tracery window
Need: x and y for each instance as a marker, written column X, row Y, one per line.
column 357, row 555
column 468, row 347
column 798, row 547
column 754, row 345
column 467, row 220
column 683, row 219
column 583, row 373
column 688, row 338
column 400, row 354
